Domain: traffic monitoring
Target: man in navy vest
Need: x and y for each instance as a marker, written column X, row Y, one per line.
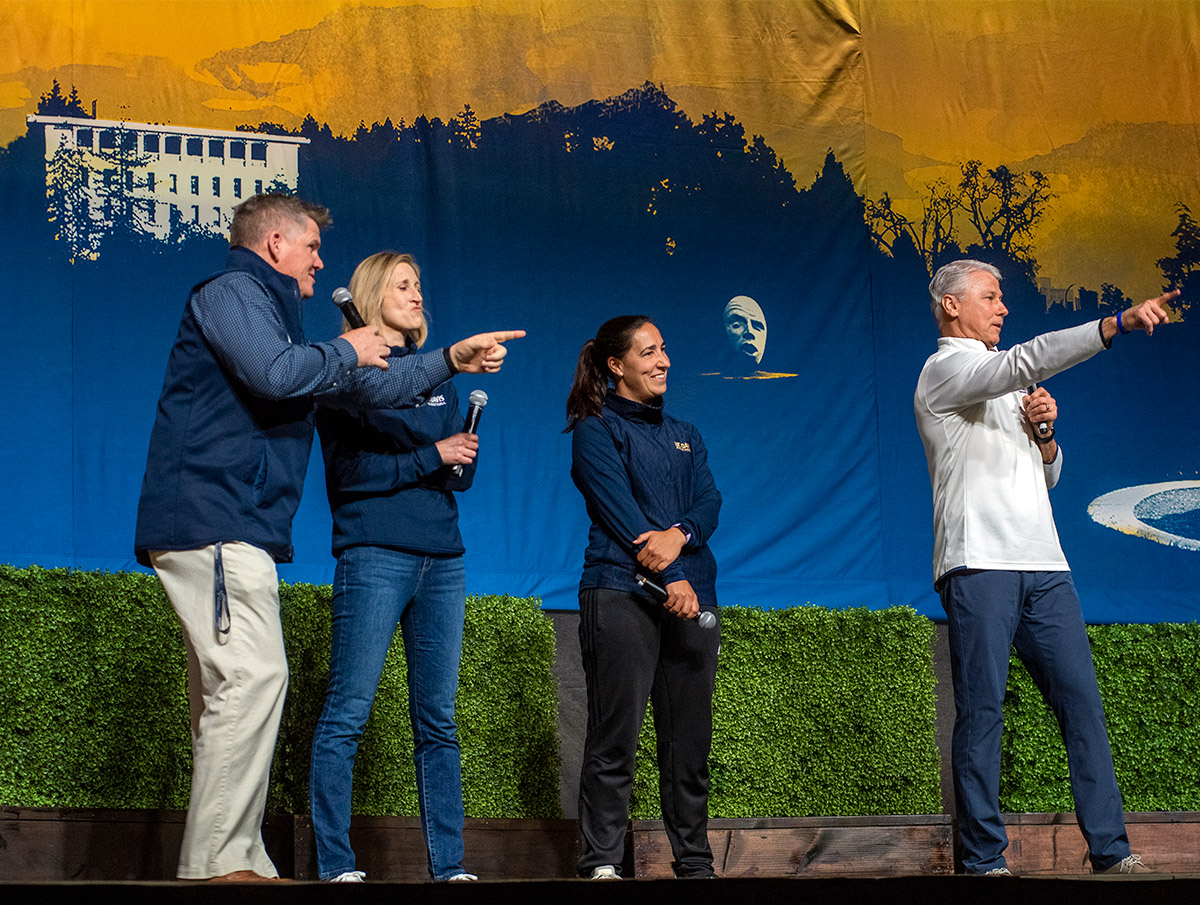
column 228, row 453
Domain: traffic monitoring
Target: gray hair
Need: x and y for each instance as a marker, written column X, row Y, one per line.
column 951, row 279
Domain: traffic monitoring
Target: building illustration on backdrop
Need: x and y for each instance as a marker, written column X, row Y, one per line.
column 1068, row 298
column 157, row 179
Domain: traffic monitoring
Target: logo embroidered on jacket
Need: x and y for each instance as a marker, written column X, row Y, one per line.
column 436, row 400
column 683, row 447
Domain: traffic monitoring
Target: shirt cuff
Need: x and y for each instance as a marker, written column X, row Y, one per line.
column 345, row 357
column 1053, row 469
column 687, row 535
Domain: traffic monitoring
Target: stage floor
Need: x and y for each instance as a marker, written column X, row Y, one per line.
column 1157, row 890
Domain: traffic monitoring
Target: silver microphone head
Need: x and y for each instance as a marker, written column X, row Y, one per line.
column 706, row 619
column 341, row 296
column 477, row 397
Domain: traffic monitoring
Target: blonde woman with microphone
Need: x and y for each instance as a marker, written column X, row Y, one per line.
column 390, row 476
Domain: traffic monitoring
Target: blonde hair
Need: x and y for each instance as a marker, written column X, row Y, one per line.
column 369, row 284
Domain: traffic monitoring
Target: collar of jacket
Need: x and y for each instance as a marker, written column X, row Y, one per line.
column 400, row 351
column 285, row 288
column 650, row 413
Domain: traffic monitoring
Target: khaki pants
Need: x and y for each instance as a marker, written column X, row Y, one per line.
column 236, row 687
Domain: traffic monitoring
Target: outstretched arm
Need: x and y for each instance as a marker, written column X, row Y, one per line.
column 1146, row 316
column 482, row 353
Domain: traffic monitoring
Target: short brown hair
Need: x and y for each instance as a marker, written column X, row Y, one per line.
column 259, row 215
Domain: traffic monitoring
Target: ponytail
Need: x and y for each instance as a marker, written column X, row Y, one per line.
column 613, row 340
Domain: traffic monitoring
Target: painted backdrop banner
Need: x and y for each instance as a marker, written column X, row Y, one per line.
column 773, row 182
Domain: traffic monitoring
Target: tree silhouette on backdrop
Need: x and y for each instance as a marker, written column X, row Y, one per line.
column 1002, row 205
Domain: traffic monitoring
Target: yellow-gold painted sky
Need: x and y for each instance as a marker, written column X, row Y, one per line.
column 775, row 65
column 1007, row 79
column 1001, row 80
column 1022, row 82
column 52, row 33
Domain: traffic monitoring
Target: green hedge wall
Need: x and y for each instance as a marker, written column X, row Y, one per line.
column 817, row 712
column 93, row 692
column 1149, row 679
column 93, row 701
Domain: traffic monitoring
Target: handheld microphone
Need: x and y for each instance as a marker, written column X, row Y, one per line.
column 475, row 403
column 345, row 301
column 704, row 619
column 1042, row 428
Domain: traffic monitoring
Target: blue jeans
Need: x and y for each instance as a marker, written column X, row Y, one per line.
column 374, row 588
column 1038, row 613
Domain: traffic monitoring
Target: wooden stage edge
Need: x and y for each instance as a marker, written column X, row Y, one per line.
column 50, row 846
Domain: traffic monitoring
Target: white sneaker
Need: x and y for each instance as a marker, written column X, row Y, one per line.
column 605, row 872
column 463, row 876
column 1130, row 864
column 350, row 876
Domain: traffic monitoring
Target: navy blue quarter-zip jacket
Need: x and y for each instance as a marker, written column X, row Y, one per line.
column 386, row 482
column 639, row 470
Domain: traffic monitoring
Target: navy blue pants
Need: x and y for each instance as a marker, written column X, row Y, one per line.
column 1038, row 613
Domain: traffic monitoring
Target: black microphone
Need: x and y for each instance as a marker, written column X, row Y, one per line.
column 344, row 300
column 1042, row 428
column 704, row 619
column 475, row 403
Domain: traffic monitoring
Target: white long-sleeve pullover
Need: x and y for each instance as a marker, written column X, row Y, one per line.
column 991, row 508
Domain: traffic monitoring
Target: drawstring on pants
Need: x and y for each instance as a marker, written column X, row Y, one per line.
column 220, row 599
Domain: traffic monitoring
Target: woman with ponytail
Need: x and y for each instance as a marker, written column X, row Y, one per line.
column 653, row 505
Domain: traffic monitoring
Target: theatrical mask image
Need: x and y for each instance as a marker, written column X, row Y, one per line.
column 746, row 330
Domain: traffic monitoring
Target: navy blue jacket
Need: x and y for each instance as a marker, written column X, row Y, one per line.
column 224, row 464
column 640, row 470
column 385, row 479
column 231, row 439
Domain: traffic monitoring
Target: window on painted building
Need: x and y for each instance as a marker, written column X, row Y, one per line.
column 195, row 213
column 128, row 141
column 258, row 186
column 150, row 181
column 216, row 186
column 237, row 188
column 151, row 212
column 216, row 216
column 171, row 144
column 195, row 147
column 129, row 180
column 237, row 150
column 258, row 151
column 83, row 138
column 174, row 214
column 108, row 139
column 216, row 148
column 195, row 185
column 150, row 143
column 174, row 184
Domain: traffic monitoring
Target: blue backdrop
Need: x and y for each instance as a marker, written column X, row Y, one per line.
column 553, row 222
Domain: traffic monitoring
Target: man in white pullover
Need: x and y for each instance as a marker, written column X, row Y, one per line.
column 998, row 566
